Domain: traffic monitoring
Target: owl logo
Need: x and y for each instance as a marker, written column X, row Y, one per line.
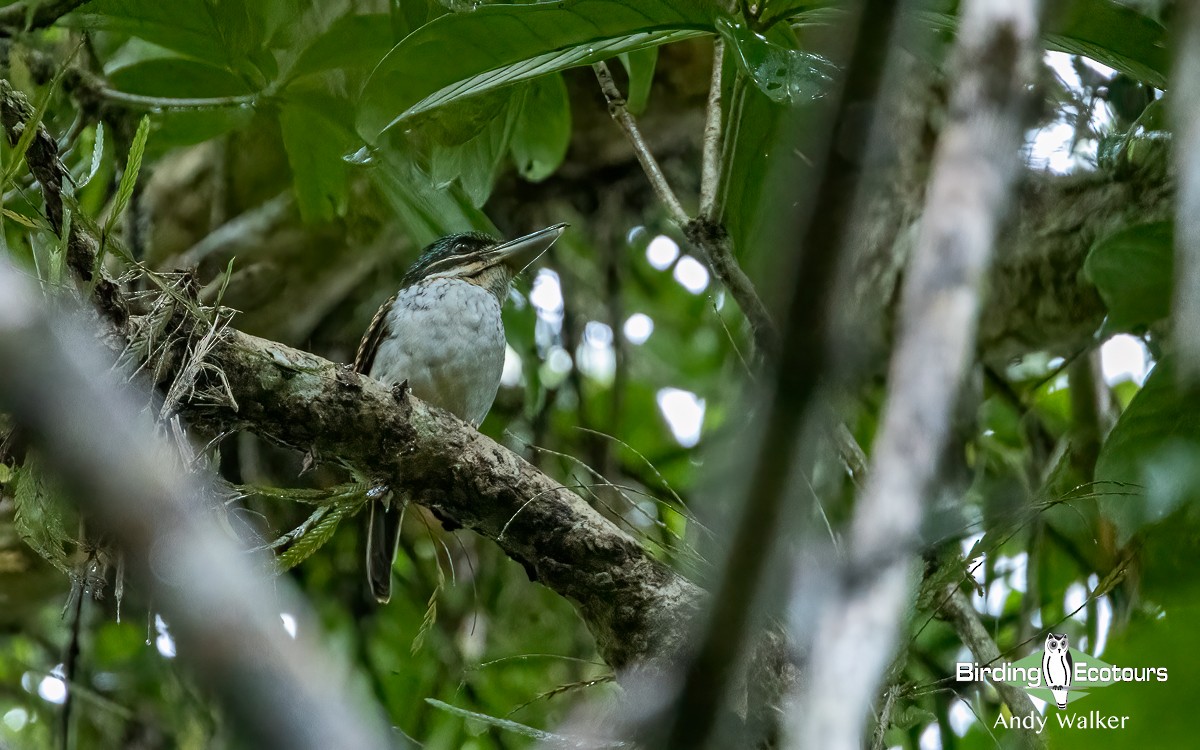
column 1057, row 668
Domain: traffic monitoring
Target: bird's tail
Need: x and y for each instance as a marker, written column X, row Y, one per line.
column 382, row 539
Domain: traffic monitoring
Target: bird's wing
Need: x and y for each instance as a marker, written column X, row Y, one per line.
column 371, row 339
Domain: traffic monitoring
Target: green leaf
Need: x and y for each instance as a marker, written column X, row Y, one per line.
column 460, row 121
column 29, row 222
column 97, row 156
column 308, row 496
column 1111, row 33
column 1132, row 269
column 429, row 619
column 222, row 32
column 543, row 129
column 173, row 127
column 426, row 212
column 475, row 163
column 410, row 15
column 639, row 65
column 326, row 519
column 58, row 254
column 31, row 126
column 176, row 77
column 352, row 41
column 1102, row 30
column 124, row 192
column 1155, row 446
column 466, row 53
column 785, row 75
column 40, row 517
column 315, row 145
column 129, row 179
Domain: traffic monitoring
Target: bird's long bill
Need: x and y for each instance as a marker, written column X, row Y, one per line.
column 522, row 251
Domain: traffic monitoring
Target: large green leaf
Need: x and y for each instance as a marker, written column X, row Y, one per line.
column 1132, row 270
column 1153, row 451
column 496, row 45
column 475, row 163
column 177, row 78
column 222, row 32
column 427, row 212
column 543, row 128
column 315, row 144
column 184, row 26
column 353, row 41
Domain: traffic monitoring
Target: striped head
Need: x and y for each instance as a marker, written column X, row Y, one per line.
column 480, row 259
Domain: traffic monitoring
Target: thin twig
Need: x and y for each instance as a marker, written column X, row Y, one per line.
column 733, row 120
column 712, row 243
column 71, row 657
column 708, row 238
column 976, row 638
column 710, row 178
column 885, row 717
column 619, row 112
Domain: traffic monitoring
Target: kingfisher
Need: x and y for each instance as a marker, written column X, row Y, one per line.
column 442, row 332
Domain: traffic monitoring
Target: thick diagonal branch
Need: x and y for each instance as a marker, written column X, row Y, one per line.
column 636, row 607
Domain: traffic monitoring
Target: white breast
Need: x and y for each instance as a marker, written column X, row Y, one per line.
column 447, row 339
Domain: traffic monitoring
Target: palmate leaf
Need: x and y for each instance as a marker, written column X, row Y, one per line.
column 316, row 138
column 184, row 26
column 496, row 45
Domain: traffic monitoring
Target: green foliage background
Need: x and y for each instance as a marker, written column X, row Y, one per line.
column 338, row 138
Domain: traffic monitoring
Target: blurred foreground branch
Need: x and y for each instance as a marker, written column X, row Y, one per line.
column 1185, row 103
column 225, row 613
column 976, row 160
column 771, row 507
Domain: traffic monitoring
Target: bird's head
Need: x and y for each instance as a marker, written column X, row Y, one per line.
column 481, row 259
